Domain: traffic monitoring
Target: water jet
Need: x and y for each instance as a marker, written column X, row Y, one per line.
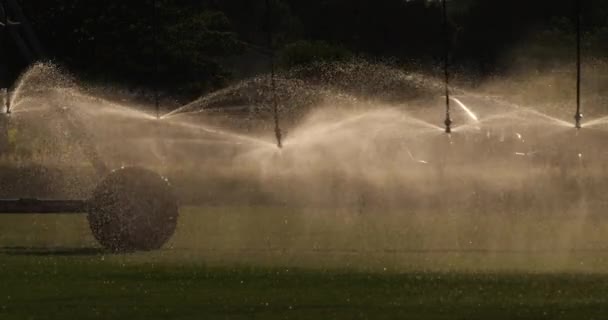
column 4, row 124
column 131, row 209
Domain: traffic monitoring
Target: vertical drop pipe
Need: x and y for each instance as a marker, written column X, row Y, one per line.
column 155, row 53
column 4, row 125
column 273, row 87
column 446, row 66
column 5, row 54
column 578, row 116
column 4, row 117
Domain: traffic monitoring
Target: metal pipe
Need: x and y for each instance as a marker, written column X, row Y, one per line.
column 4, row 118
column 155, row 49
column 578, row 116
column 446, row 66
column 5, row 37
column 23, row 206
column 273, row 87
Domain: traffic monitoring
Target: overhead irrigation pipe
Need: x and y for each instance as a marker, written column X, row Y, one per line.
column 446, row 66
column 578, row 116
column 273, row 86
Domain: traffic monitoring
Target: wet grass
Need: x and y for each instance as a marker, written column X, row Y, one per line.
column 264, row 263
column 93, row 287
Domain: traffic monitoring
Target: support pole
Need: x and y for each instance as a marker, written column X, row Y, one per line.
column 4, row 23
column 6, row 107
column 273, row 86
column 446, row 67
column 578, row 116
column 155, row 49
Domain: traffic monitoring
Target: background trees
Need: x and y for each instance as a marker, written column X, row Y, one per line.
column 201, row 45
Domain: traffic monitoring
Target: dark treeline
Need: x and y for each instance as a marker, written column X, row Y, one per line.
column 200, row 45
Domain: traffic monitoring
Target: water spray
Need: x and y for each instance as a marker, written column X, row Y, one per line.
column 4, row 125
column 273, row 87
column 131, row 209
column 578, row 116
column 446, row 65
column 7, row 101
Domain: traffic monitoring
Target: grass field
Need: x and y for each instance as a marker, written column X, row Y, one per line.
column 264, row 263
column 80, row 287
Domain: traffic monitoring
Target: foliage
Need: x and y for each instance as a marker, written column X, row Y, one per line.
column 306, row 52
column 125, row 40
column 190, row 40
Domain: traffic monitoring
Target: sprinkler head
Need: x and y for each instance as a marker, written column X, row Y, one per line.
column 578, row 117
column 278, row 134
column 448, row 124
column 7, row 101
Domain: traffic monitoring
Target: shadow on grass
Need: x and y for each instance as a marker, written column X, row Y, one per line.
column 51, row 251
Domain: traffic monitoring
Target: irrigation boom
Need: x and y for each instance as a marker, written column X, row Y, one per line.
column 19, row 206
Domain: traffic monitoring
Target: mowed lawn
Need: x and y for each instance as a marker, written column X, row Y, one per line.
column 91, row 286
column 225, row 263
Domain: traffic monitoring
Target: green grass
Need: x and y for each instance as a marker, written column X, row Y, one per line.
column 90, row 287
column 274, row 263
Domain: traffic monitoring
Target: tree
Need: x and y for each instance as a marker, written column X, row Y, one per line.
column 122, row 41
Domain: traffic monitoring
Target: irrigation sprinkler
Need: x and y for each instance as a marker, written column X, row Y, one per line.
column 446, row 66
column 273, row 86
column 578, row 116
column 155, row 52
column 131, row 209
column 4, row 123
column 7, row 100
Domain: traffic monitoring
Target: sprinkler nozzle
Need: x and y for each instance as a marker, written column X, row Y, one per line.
column 7, row 101
column 279, row 136
column 448, row 124
column 578, row 117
